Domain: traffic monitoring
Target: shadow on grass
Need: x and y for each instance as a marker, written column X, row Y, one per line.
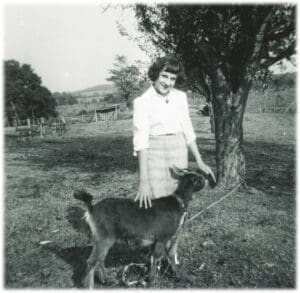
column 76, row 257
column 98, row 154
column 120, row 254
column 270, row 167
column 117, row 258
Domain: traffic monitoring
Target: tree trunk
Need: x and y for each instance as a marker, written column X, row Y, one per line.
column 211, row 118
column 229, row 110
column 16, row 113
column 33, row 117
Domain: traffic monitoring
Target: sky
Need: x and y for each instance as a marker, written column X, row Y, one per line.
column 71, row 46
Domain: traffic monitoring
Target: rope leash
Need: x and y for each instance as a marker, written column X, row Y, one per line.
column 213, row 204
column 181, row 225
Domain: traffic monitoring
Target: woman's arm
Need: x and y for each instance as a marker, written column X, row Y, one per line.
column 195, row 151
column 141, row 145
column 190, row 136
column 144, row 194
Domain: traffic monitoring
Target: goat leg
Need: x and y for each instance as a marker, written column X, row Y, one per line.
column 153, row 271
column 91, row 264
column 172, row 263
column 157, row 255
column 102, row 273
column 103, row 247
column 171, row 252
column 98, row 255
column 179, row 273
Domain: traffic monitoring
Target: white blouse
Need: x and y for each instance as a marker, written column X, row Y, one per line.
column 154, row 114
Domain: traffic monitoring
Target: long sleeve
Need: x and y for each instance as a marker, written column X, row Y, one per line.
column 186, row 122
column 141, row 126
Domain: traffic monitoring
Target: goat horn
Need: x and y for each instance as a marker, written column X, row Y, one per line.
column 178, row 171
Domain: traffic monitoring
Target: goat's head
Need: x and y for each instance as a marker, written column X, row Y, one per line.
column 194, row 178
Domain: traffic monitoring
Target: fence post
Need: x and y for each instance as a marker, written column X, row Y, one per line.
column 41, row 129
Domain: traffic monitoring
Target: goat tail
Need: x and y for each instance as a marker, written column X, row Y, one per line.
column 84, row 196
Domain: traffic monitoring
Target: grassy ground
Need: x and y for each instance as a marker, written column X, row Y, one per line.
column 247, row 241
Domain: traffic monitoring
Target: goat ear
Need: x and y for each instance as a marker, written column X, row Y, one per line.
column 176, row 173
column 177, row 170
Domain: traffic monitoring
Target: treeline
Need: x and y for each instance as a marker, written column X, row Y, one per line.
column 65, row 98
column 278, row 81
column 25, row 96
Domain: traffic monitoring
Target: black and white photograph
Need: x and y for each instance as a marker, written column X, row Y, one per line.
column 149, row 145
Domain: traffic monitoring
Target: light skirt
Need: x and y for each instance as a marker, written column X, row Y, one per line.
column 165, row 151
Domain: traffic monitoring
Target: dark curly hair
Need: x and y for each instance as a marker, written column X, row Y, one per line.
column 168, row 63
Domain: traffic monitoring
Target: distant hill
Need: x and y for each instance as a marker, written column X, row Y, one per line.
column 98, row 90
column 287, row 79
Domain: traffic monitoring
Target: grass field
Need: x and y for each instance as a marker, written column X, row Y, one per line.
column 247, row 241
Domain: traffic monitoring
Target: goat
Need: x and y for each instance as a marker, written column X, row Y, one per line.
column 117, row 219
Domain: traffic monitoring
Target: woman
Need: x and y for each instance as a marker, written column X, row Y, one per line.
column 163, row 132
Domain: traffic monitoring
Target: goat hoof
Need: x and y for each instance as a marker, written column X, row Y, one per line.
column 101, row 279
column 88, row 284
column 183, row 276
column 152, row 282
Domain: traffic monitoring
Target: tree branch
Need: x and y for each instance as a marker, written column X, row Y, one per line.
column 285, row 33
column 260, row 38
column 283, row 54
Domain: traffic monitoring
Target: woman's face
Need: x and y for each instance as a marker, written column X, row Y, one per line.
column 166, row 81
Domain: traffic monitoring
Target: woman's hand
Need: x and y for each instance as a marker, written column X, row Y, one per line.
column 144, row 195
column 206, row 169
column 201, row 165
